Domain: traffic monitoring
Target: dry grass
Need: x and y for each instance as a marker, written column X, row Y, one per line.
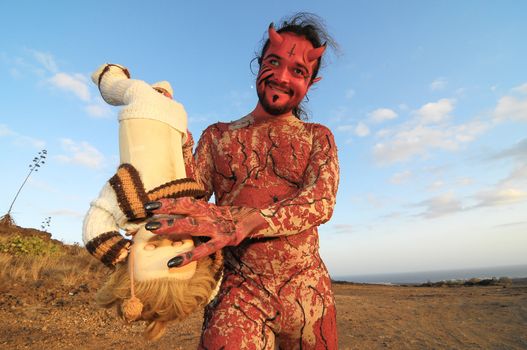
column 7, row 220
column 30, row 257
column 69, row 269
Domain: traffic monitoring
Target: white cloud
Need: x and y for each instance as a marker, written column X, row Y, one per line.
column 403, row 106
column 75, row 83
column 436, row 185
column 81, row 153
column 98, row 109
column 383, row 133
column 438, row 84
column 435, row 112
column 412, row 141
column 350, row 93
column 467, row 132
column 18, row 67
column 447, row 203
column 521, row 89
column 400, row 178
column 5, row 131
column 21, row 140
column 510, row 190
column 343, row 228
column 382, row 114
column 500, row 196
column 440, row 206
column 459, row 182
column 44, row 66
column 511, row 224
column 517, row 151
column 420, row 136
column 45, row 59
column 512, row 108
column 374, row 200
column 518, row 174
column 362, row 130
column 464, row 181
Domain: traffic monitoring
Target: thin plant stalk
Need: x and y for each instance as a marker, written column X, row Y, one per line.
column 37, row 161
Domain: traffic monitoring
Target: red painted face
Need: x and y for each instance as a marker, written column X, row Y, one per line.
column 285, row 72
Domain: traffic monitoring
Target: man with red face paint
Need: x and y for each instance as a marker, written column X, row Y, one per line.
column 274, row 178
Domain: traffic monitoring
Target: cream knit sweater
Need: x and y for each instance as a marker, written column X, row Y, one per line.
column 152, row 129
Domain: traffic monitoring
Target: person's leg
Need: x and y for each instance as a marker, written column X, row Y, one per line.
column 309, row 314
column 239, row 317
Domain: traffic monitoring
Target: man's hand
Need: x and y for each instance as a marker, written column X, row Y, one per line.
column 201, row 219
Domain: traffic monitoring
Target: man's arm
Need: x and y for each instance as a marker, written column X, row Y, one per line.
column 201, row 161
column 228, row 226
column 312, row 205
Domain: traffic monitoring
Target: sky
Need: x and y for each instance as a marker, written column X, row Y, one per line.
column 427, row 101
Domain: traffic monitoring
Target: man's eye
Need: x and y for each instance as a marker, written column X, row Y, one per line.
column 299, row 72
column 274, row 63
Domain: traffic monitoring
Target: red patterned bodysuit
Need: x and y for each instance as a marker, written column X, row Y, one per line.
column 275, row 286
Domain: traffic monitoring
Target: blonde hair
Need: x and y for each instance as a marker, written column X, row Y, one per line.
column 164, row 300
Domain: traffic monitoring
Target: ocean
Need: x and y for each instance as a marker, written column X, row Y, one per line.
column 514, row 271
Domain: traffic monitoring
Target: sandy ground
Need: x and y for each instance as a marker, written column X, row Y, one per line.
column 36, row 316
column 41, row 312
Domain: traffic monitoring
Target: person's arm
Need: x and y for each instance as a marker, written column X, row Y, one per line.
column 190, row 165
column 204, row 162
column 100, row 232
column 312, row 205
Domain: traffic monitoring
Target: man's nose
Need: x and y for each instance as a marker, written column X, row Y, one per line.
column 282, row 75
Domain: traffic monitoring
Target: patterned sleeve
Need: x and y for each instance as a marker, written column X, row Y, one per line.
column 203, row 161
column 188, row 158
column 313, row 204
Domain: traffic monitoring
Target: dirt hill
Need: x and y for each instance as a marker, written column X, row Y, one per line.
column 47, row 302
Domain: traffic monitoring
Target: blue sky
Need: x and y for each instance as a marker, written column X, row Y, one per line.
column 427, row 101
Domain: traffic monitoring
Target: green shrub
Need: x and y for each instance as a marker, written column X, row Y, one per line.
column 29, row 245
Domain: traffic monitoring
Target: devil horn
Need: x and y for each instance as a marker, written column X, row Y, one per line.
column 275, row 38
column 315, row 54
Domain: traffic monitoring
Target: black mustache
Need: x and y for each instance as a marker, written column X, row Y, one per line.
column 280, row 86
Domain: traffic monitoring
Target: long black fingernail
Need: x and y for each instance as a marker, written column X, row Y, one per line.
column 175, row 262
column 153, row 225
column 152, row 206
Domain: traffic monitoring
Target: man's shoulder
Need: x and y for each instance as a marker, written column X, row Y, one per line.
column 317, row 128
column 232, row 125
column 248, row 121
